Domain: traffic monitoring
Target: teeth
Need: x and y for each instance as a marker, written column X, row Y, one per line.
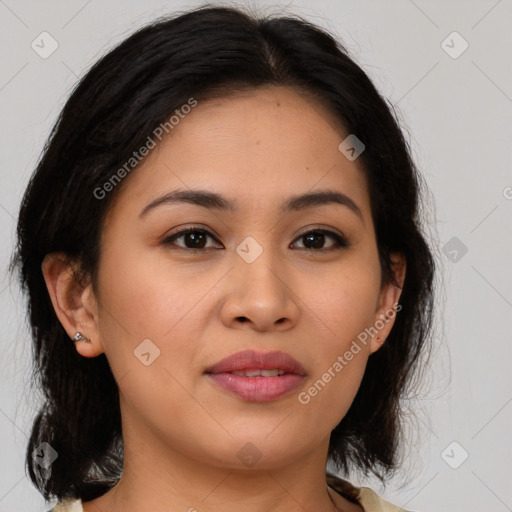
column 270, row 373
column 259, row 373
column 251, row 373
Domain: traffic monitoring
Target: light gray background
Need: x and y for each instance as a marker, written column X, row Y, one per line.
column 457, row 115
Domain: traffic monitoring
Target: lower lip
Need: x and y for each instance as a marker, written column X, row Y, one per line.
column 258, row 389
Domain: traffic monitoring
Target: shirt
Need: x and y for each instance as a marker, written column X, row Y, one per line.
column 364, row 496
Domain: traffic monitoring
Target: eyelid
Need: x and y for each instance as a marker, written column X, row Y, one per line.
column 320, row 229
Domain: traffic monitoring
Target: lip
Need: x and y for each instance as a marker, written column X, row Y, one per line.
column 257, row 389
column 247, row 359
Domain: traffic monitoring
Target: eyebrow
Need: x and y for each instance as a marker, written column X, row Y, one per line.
column 216, row 201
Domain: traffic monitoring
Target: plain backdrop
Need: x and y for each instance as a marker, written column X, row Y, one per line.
column 446, row 67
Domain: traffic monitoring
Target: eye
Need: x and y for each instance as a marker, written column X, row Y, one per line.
column 193, row 238
column 316, row 238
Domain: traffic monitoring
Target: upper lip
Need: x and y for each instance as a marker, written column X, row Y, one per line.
column 252, row 359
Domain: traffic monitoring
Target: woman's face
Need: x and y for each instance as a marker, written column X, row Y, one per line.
column 170, row 307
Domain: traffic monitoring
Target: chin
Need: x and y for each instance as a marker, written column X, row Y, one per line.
column 255, row 451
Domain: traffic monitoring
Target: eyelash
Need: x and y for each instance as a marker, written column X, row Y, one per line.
column 341, row 241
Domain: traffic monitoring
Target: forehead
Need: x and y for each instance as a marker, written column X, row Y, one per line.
column 258, row 147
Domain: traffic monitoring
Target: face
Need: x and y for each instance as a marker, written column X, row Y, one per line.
column 303, row 280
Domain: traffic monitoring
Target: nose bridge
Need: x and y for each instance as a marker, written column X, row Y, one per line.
column 259, row 262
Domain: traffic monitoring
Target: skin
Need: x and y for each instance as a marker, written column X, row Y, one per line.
column 181, row 432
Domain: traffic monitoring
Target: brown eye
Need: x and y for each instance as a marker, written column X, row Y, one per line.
column 193, row 238
column 315, row 239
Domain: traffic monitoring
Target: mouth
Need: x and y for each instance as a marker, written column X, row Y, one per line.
column 258, row 372
column 256, row 376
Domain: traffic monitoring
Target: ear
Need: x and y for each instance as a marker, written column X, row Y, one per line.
column 388, row 306
column 74, row 302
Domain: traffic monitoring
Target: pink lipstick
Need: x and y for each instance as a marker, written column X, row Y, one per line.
column 257, row 376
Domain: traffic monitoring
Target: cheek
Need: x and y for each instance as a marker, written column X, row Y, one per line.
column 144, row 296
column 346, row 302
column 138, row 287
column 330, row 393
column 345, row 309
column 340, row 359
column 134, row 305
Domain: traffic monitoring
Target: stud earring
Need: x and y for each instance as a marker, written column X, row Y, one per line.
column 80, row 337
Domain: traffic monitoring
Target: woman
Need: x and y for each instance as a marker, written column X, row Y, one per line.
column 227, row 281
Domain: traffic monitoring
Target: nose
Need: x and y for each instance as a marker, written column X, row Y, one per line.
column 259, row 294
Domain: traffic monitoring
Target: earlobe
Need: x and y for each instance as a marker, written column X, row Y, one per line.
column 72, row 303
column 388, row 307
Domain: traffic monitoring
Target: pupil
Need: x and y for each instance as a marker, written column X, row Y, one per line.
column 195, row 236
column 319, row 236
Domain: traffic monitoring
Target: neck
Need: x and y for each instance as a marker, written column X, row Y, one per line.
column 160, row 477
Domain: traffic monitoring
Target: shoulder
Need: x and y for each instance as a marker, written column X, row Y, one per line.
column 364, row 496
column 68, row 505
